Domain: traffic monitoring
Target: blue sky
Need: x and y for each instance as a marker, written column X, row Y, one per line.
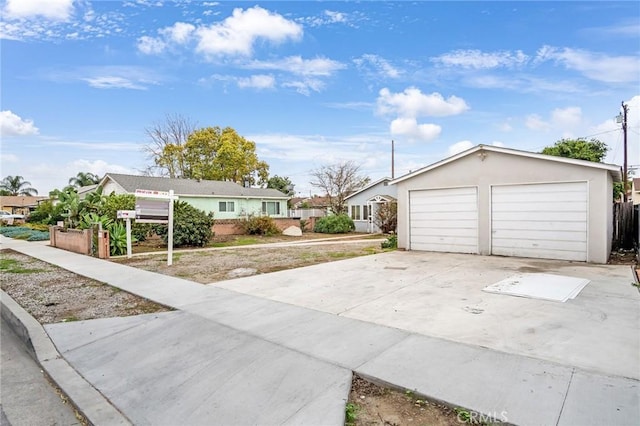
column 312, row 83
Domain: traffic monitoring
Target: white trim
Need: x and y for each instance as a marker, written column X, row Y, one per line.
column 371, row 185
column 614, row 170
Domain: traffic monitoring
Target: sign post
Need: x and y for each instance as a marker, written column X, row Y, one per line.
column 127, row 215
column 157, row 207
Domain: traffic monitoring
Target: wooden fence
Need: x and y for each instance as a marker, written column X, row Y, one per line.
column 625, row 227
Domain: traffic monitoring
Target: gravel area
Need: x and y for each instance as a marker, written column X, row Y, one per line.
column 216, row 265
column 52, row 294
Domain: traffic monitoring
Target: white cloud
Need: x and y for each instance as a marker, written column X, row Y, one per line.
column 151, row 45
column 376, row 65
column 566, row 117
column 297, row 65
column 179, row 32
column 57, row 10
column 335, row 17
column 459, row 147
column 113, row 82
column 306, row 86
column 413, row 103
column 261, row 81
column 410, row 128
column 476, row 59
column 237, row 34
column 596, row 66
column 13, row 125
column 535, row 122
column 8, row 158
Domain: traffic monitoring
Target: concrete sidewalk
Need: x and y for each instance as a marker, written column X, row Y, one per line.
column 230, row 358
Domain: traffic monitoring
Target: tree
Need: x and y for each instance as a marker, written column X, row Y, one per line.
column 16, row 185
column 338, row 181
column 581, row 149
column 167, row 139
column 386, row 217
column 84, row 179
column 282, row 184
column 222, row 154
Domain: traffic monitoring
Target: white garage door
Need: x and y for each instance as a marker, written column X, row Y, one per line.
column 546, row 221
column 444, row 220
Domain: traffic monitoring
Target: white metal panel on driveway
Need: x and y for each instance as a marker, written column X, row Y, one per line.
column 546, row 221
column 444, row 220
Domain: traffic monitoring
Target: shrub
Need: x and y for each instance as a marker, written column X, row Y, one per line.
column 259, row 225
column 337, row 224
column 386, row 217
column 113, row 203
column 24, row 233
column 390, row 243
column 191, row 227
column 46, row 213
column 117, row 239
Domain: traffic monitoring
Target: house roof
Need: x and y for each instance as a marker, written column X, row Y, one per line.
column 190, row 187
column 20, row 201
column 615, row 171
column 371, row 185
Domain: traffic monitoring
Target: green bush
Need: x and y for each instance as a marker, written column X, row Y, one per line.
column 336, row 224
column 191, row 227
column 46, row 213
column 259, row 225
column 390, row 243
column 24, row 233
column 113, row 203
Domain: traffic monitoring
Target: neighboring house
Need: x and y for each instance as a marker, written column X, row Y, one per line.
column 491, row 200
column 363, row 204
column 635, row 191
column 305, row 208
column 84, row 190
column 227, row 200
column 19, row 204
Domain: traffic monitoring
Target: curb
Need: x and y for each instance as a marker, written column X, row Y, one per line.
column 88, row 401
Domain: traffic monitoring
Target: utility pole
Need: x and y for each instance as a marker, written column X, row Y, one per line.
column 622, row 118
column 392, row 160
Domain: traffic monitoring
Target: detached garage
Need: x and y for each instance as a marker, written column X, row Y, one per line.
column 492, row 200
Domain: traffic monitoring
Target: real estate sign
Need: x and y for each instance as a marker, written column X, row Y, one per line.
column 156, row 207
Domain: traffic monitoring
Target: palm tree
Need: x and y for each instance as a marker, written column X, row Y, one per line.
column 16, row 185
column 84, row 179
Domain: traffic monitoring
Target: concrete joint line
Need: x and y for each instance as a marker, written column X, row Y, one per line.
column 87, row 400
column 566, row 393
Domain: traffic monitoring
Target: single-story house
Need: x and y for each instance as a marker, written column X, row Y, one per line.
column 227, row 200
column 492, row 200
column 20, row 204
column 363, row 204
column 635, row 191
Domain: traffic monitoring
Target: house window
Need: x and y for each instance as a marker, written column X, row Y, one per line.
column 365, row 212
column 355, row 212
column 226, row 206
column 271, row 207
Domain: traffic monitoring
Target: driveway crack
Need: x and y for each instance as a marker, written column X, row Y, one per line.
column 564, row 400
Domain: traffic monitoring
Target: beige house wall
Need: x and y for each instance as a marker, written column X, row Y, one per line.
column 497, row 168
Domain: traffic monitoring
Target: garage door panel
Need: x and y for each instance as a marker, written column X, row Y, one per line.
column 444, row 232
column 519, row 197
column 542, row 206
column 444, row 200
column 537, row 234
column 437, row 216
column 544, row 188
column 540, row 220
column 444, row 220
column 543, row 225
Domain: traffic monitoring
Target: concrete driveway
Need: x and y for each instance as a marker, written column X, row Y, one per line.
column 440, row 294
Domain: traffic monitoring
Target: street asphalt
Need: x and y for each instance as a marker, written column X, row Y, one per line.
column 224, row 357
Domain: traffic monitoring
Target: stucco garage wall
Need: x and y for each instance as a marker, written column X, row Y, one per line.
column 498, row 168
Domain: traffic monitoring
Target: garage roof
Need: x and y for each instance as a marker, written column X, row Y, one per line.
column 615, row 171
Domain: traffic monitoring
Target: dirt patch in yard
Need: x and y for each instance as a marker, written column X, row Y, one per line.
column 216, row 265
column 370, row 404
column 52, row 294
